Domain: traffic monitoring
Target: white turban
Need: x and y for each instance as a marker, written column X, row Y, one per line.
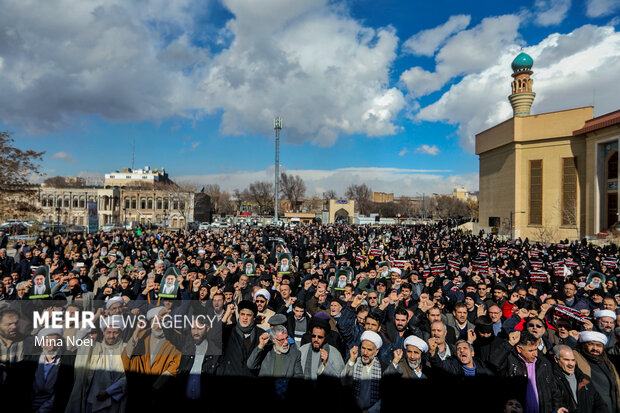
column 605, row 313
column 113, row 300
column 396, row 270
column 373, row 338
column 153, row 312
column 262, row 292
column 44, row 332
column 114, row 321
column 589, row 336
column 416, row 342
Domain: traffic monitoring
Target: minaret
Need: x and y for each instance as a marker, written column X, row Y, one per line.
column 522, row 96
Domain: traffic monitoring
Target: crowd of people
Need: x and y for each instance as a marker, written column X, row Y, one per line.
column 346, row 304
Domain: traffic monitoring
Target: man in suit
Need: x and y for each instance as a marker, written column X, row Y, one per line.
column 282, row 360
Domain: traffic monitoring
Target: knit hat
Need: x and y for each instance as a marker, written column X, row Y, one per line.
column 248, row 305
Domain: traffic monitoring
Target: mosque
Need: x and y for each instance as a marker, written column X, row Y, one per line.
column 549, row 176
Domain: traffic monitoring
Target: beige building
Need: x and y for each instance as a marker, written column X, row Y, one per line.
column 381, row 197
column 549, row 176
column 155, row 199
column 462, row 194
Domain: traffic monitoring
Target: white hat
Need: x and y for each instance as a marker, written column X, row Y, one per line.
column 44, row 332
column 114, row 321
column 264, row 293
column 416, row 342
column 605, row 313
column 373, row 338
column 589, row 336
column 153, row 312
column 396, row 270
column 113, row 300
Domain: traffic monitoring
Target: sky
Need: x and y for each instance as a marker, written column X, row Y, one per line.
column 389, row 93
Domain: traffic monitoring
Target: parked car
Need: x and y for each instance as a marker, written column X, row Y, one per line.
column 204, row 226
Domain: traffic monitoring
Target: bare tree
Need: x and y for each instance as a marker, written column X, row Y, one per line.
column 447, row 206
column 472, row 208
column 362, row 195
column 17, row 193
column 293, row 188
column 262, row 193
column 330, row 194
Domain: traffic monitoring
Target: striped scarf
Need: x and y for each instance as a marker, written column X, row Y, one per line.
column 375, row 380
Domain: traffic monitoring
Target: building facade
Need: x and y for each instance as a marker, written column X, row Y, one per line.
column 381, row 197
column 549, row 176
column 155, row 200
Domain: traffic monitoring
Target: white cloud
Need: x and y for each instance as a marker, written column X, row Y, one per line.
column 403, row 152
column 551, row 12
column 426, row 42
column 428, row 150
column 599, row 8
column 308, row 61
column 399, row 181
column 64, row 156
column 567, row 69
column 468, row 51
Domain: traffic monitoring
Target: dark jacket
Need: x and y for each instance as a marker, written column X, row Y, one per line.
column 452, row 366
column 236, row 353
column 509, row 364
column 588, row 399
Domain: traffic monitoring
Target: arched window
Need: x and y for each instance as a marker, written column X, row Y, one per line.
column 612, row 166
column 166, row 204
column 44, row 202
column 159, row 203
column 150, row 203
column 133, row 203
column 143, row 203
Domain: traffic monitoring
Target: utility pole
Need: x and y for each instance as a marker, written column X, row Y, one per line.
column 277, row 126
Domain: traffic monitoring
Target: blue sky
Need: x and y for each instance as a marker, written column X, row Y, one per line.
column 388, row 93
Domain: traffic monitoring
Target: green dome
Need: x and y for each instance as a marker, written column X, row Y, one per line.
column 522, row 62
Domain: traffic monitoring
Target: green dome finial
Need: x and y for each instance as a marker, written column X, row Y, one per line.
column 522, row 62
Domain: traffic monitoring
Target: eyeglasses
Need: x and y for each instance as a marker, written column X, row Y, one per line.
column 372, row 298
column 535, row 325
column 317, row 336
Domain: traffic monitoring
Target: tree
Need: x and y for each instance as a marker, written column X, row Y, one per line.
column 330, row 194
column 362, row 195
column 447, row 206
column 293, row 188
column 472, row 207
column 17, row 193
column 262, row 193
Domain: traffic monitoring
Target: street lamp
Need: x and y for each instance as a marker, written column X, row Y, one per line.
column 511, row 226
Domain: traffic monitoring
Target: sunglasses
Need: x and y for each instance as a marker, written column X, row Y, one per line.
column 261, row 301
column 317, row 336
column 535, row 325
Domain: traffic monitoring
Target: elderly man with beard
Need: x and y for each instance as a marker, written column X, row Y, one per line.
column 282, row 361
column 364, row 373
column 605, row 322
column 151, row 361
column 592, row 361
column 100, row 383
column 411, row 366
column 578, row 393
column 239, row 339
column 317, row 357
column 51, row 372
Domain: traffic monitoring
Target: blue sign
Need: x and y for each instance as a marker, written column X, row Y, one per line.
column 342, row 201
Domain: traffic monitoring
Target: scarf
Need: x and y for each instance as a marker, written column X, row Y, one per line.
column 244, row 330
column 375, row 380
